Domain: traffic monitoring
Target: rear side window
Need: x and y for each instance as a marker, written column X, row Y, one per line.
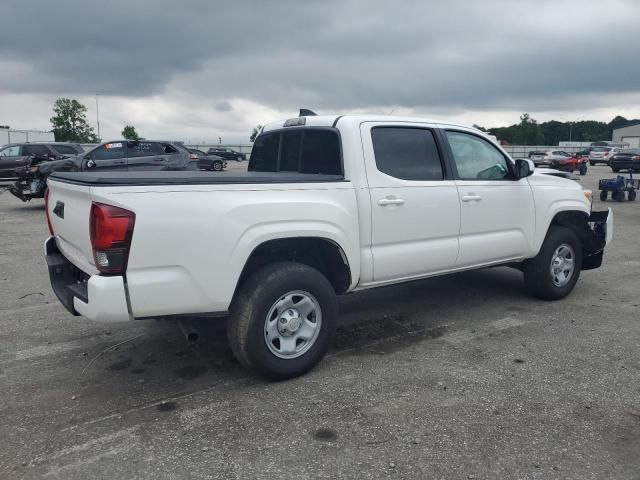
column 143, row 149
column 35, row 150
column 305, row 150
column 264, row 155
column 65, row 149
column 407, row 153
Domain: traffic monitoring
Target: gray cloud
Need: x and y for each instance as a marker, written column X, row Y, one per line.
column 338, row 54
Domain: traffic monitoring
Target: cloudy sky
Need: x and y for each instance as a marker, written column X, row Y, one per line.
column 202, row 69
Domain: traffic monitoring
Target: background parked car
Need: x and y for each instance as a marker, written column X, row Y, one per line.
column 209, row 162
column 602, row 154
column 14, row 155
column 626, row 160
column 544, row 158
column 227, row 153
column 121, row 155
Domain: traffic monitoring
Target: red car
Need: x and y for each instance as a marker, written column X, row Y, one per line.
column 572, row 163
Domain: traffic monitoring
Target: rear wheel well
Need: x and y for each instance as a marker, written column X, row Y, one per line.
column 320, row 253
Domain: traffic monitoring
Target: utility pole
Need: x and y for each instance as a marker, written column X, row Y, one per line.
column 98, row 117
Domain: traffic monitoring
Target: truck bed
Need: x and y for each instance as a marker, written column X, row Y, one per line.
column 111, row 179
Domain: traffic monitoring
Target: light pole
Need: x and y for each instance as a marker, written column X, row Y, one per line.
column 98, row 117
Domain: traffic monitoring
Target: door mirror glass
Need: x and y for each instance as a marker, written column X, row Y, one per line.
column 524, row 168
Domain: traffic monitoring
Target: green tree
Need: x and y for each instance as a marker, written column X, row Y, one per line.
column 528, row 132
column 255, row 132
column 70, row 122
column 129, row 132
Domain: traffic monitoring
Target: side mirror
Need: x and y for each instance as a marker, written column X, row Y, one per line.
column 524, row 168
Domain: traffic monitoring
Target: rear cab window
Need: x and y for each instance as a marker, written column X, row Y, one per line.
column 407, row 153
column 301, row 150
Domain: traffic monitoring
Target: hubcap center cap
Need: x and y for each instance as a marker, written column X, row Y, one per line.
column 290, row 321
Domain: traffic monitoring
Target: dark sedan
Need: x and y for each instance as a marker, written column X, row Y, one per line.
column 209, row 162
column 15, row 155
column 626, row 160
column 227, row 153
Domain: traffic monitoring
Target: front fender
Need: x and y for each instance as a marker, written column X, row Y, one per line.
column 551, row 212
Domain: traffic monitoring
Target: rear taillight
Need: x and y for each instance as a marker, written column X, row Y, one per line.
column 46, row 209
column 636, row 158
column 111, row 229
column 193, row 156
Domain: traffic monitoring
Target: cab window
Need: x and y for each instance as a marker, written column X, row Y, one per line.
column 476, row 158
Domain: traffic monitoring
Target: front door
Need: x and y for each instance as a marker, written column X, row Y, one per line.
column 10, row 160
column 415, row 210
column 110, row 156
column 497, row 211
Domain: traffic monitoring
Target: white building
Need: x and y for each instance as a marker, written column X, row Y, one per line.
column 629, row 134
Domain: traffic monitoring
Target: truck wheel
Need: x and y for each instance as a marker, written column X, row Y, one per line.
column 631, row 195
column 615, row 170
column 592, row 163
column 552, row 274
column 603, row 195
column 282, row 320
column 217, row 166
column 583, row 169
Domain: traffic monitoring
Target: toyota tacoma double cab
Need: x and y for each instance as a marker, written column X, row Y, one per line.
column 329, row 205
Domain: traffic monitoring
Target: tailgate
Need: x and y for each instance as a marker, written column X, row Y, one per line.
column 68, row 209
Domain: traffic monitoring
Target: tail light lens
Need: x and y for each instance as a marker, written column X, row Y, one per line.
column 46, row 209
column 636, row 158
column 111, row 229
column 193, row 156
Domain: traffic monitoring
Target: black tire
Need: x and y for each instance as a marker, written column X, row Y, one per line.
column 251, row 305
column 537, row 271
column 618, row 196
column 592, row 163
column 603, row 195
column 631, row 195
column 239, row 158
column 583, row 169
column 615, row 170
column 217, row 166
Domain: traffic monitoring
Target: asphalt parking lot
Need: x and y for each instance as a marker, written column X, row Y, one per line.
column 460, row 377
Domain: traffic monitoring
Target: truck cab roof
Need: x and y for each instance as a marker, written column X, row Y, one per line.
column 332, row 121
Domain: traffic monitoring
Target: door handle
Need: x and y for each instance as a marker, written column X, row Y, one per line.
column 471, row 197
column 383, row 202
column 159, row 159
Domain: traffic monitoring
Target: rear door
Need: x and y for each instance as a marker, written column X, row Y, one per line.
column 145, row 156
column 10, row 160
column 497, row 216
column 108, row 157
column 414, row 201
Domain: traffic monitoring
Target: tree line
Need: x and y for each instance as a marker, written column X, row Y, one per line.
column 530, row 132
column 70, row 124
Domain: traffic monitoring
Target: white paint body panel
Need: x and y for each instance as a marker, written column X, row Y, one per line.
column 191, row 242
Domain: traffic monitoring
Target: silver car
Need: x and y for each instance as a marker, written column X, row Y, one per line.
column 602, row 154
column 544, row 158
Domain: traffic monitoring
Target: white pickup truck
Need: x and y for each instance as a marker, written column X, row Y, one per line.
column 330, row 205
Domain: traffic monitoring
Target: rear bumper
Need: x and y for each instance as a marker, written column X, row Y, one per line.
column 96, row 297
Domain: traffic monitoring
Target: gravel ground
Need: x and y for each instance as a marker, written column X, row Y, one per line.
column 463, row 376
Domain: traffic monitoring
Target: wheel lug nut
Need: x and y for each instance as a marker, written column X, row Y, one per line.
column 282, row 320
